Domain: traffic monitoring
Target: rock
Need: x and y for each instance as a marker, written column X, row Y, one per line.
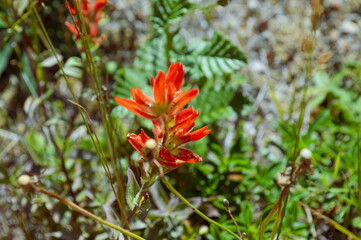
column 349, row 27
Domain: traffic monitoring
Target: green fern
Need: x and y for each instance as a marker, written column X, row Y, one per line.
column 151, row 56
column 127, row 78
column 216, row 57
column 214, row 102
column 166, row 12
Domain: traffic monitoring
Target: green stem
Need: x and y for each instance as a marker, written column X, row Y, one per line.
column 173, row 190
column 97, row 148
column 81, row 210
column 101, row 104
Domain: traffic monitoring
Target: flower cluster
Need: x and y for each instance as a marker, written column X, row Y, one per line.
column 92, row 14
column 172, row 125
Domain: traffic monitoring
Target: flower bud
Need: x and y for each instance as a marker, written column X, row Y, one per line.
column 24, row 180
column 150, row 144
column 306, row 153
column 225, row 203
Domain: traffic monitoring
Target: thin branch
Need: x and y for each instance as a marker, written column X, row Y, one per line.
column 85, row 212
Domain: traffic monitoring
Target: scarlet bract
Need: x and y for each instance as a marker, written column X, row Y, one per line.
column 172, row 126
column 92, row 14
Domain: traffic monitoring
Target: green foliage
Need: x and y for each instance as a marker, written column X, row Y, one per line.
column 166, row 12
column 133, row 189
column 216, row 57
column 4, row 57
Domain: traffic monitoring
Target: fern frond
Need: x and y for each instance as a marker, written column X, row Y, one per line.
column 166, row 12
column 217, row 57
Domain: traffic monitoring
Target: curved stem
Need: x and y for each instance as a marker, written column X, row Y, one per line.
column 173, row 190
column 81, row 210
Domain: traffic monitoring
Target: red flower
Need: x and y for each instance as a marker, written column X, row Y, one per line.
column 168, row 97
column 92, row 14
column 172, row 127
column 138, row 141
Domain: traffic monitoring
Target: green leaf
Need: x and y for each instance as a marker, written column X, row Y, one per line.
column 337, row 167
column 5, row 54
column 111, row 67
column 73, row 67
column 27, row 76
column 151, row 56
column 214, row 101
column 216, row 57
column 127, row 78
column 36, row 141
column 133, row 189
column 166, row 12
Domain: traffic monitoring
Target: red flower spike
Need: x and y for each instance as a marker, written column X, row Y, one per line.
column 172, row 125
column 92, row 14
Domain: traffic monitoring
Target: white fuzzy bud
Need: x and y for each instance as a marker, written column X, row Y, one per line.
column 306, row 153
column 24, row 180
column 150, row 144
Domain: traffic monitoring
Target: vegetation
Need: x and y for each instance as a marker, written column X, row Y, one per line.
column 68, row 165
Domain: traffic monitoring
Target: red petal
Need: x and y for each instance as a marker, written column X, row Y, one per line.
column 170, row 91
column 158, row 128
column 174, row 80
column 139, row 109
column 178, row 80
column 185, row 121
column 140, row 97
column 99, row 5
column 184, row 114
column 93, row 29
column 159, row 88
column 70, row 8
column 194, row 136
column 166, row 156
column 156, row 138
column 171, row 164
column 72, row 28
column 183, row 128
column 84, row 5
column 152, row 83
column 186, row 155
column 138, row 141
column 183, row 99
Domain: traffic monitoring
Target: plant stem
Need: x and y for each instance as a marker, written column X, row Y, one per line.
column 81, row 210
column 205, row 217
column 102, row 104
column 97, row 148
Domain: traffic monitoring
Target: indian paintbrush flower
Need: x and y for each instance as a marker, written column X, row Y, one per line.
column 92, row 14
column 172, row 125
column 168, row 97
